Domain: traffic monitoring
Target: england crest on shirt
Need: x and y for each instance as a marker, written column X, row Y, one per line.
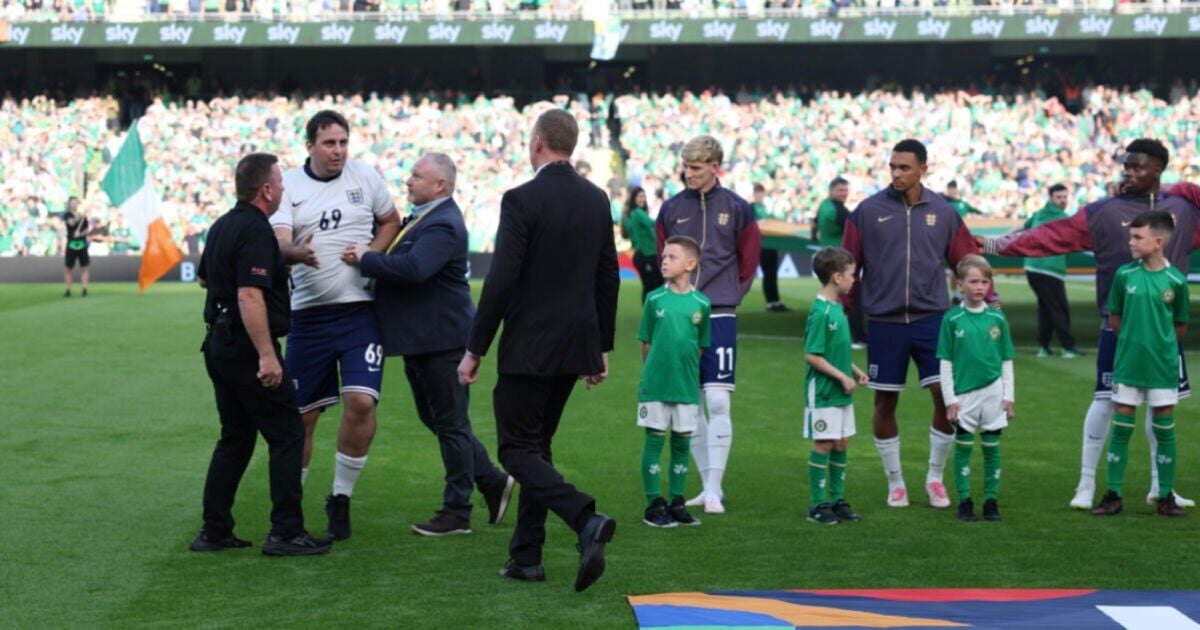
column 355, row 196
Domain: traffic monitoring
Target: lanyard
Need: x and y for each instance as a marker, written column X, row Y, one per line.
column 411, row 225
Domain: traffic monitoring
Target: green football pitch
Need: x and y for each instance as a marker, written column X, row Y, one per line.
column 109, row 421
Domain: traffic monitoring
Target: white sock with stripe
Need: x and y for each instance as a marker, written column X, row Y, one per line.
column 939, row 449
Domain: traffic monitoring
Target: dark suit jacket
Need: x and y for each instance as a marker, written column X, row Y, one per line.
column 421, row 291
column 554, row 278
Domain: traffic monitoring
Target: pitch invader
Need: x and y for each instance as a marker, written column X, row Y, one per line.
column 1148, row 312
column 900, row 238
column 730, row 244
column 975, row 351
column 1103, row 228
column 329, row 203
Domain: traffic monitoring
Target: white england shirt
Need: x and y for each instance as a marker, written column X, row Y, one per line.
column 335, row 213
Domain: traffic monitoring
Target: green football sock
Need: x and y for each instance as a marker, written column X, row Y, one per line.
column 991, row 465
column 651, row 457
column 1118, row 451
column 1164, row 432
column 837, row 476
column 818, row 472
column 677, row 477
column 963, row 443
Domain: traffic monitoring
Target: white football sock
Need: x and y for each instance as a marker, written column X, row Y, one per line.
column 889, row 452
column 939, row 449
column 345, row 473
column 700, row 448
column 720, row 438
column 1153, row 450
column 303, row 475
column 1095, row 433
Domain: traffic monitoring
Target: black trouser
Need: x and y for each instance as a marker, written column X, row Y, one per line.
column 246, row 409
column 442, row 404
column 770, row 270
column 1054, row 313
column 528, row 409
column 648, row 271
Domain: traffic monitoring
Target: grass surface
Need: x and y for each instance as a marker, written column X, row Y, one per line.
column 109, row 421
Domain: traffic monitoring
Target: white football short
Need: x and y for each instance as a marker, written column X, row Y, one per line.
column 676, row 417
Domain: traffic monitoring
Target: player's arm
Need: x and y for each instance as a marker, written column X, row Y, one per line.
column 646, row 328
column 820, row 364
column 253, row 311
column 660, row 231
column 386, row 229
column 296, row 254
column 429, row 254
column 945, row 355
column 852, row 242
column 1116, row 303
column 1182, row 303
column 645, row 351
column 1008, row 386
column 749, row 249
column 1064, row 236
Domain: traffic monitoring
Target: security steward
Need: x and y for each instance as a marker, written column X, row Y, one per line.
column 247, row 310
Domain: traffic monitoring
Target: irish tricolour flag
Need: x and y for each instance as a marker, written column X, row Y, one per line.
column 129, row 189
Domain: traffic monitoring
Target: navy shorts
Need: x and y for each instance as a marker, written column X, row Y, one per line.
column 894, row 343
column 717, row 362
column 327, row 339
column 1106, row 354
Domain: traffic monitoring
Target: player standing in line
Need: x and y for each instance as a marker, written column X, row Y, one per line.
column 976, row 351
column 829, row 382
column 1102, row 228
column 900, row 237
column 329, row 203
column 730, row 244
column 1148, row 313
column 674, row 332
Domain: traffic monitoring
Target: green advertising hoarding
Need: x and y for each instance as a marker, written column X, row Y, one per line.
column 633, row 32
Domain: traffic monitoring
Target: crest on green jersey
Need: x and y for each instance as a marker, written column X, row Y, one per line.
column 994, row 332
column 696, row 318
column 1168, row 296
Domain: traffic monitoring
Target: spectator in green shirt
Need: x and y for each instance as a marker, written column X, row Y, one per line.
column 831, row 215
column 1046, row 277
column 638, row 227
column 770, row 257
column 963, row 208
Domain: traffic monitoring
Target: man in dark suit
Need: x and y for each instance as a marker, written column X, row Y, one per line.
column 425, row 310
column 554, row 283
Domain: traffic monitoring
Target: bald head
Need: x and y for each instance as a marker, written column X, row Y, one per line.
column 433, row 176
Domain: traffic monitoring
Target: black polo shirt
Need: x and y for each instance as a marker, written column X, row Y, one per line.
column 241, row 251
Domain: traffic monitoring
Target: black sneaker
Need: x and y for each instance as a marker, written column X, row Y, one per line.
column 498, row 499
column 1168, row 507
column 991, row 510
column 1110, row 505
column 966, row 511
column 680, row 515
column 842, row 511
column 656, row 515
column 822, row 514
column 337, row 508
column 85, row 293
column 203, row 542
column 514, row 571
column 67, row 293
column 299, row 545
column 443, row 524
column 778, row 307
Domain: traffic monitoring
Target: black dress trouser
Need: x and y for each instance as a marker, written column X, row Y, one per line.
column 442, row 404
column 1054, row 312
column 769, row 261
column 528, row 410
column 247, row 409
column 649, row 272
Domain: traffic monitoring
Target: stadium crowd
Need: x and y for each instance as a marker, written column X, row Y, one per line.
column 1004, row 150
column 96, row 10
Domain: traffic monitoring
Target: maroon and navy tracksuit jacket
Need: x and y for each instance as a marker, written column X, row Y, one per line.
column 730, row 242
column 1103, row 228
column 900, row 251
